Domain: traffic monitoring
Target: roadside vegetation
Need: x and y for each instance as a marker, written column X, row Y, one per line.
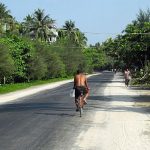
column 132, row 49
column 35, row 50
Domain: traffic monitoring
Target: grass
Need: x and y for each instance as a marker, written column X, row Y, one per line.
column 18, row 86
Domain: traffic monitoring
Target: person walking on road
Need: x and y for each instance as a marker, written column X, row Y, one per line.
column 127, row 76
column 80, row 86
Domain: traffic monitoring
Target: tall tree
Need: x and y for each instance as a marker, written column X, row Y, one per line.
column 41, row 24
column 4, row 15
column 72, row 34
column 6, row 63
column 70, row 31
column 38, row 25
column 143, row 16
column 26, row 27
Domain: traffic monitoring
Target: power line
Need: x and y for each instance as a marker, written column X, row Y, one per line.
column 86, row 32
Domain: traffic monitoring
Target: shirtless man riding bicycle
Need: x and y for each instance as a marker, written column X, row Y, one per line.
column 81, row 87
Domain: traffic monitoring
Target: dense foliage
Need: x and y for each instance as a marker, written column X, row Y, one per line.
column 27, row 52
column 132, row 48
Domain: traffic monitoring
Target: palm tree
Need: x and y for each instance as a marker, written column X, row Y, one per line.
column 69, row 26
column 7, row 22
column 143, row 16
column 82, row 39
column 38, row 25
column 42, row 23
column 26, row 27
column 72, row 33
column 70, row 30
column 4, row 15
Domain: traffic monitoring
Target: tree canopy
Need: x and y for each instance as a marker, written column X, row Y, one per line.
column 27, row 54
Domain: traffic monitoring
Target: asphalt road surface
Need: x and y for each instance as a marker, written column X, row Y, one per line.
column 115, row 118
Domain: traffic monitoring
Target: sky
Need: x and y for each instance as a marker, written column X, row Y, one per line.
column 98, row 19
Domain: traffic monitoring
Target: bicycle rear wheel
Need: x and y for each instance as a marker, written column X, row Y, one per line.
column 80, row 106
column 80, row 110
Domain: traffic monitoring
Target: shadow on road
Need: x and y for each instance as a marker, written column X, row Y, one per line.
column 57, row 114
column 102, row 103
column 19, row 107
column 121, row 98
column 120, row 103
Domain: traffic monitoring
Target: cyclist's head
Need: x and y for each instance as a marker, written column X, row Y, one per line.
column 79, row 71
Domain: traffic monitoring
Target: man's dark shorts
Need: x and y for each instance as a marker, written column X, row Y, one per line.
column 79, row 90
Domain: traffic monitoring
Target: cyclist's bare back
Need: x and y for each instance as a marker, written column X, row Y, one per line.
column 80, row 80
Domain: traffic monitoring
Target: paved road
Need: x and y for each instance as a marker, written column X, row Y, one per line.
column 112, row 120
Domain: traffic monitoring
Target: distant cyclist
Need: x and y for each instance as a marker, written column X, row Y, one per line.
column 127, row 76
column 80, row 86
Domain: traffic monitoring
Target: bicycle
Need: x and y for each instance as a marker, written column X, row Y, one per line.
column 81, row 100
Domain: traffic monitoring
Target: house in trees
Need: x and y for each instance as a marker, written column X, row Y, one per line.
column 52, row 33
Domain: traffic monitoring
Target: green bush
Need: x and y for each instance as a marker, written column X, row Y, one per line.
column 6, row 63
